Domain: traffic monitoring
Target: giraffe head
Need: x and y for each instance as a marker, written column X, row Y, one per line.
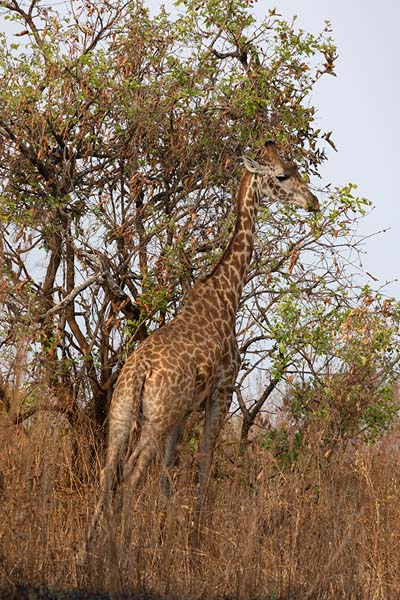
column 280, row 180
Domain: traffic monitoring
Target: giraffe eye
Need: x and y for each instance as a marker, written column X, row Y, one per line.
column 283, row 177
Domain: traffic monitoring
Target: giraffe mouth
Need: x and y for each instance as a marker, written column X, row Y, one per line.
column 313, row 204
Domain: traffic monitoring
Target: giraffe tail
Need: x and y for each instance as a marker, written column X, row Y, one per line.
column 137, row 405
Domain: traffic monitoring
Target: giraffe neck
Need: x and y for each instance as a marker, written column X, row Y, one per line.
column 225, row 283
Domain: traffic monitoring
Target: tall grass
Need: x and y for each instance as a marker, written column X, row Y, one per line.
column 308, row 532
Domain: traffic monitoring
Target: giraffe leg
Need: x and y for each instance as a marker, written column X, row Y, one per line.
column 123, row 423
column 108, row 480
column 141, row 456
column 216, row 409
column 170, row 458
column 215, row 412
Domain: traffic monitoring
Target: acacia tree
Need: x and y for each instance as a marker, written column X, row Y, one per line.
column 120, row 138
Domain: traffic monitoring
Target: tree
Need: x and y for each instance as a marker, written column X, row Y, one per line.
column 120, row 138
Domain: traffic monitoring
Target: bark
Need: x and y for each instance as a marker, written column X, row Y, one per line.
column 250, row 415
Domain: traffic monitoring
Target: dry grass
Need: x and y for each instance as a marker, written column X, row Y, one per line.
column 304, row 534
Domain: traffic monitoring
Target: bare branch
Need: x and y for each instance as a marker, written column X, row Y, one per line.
column 72, row 295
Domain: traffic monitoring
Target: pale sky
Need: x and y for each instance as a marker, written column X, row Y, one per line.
column 360, row 105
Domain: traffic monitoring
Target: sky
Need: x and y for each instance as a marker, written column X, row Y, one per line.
column 360, row 105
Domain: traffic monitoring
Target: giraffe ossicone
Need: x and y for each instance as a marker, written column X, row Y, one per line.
column 192, row 362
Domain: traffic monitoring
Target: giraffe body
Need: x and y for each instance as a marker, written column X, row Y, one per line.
column 193, row 361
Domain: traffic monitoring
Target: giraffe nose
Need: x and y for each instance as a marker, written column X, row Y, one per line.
column 313, row 205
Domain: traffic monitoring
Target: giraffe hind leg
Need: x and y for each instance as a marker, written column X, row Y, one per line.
column 108, row 479
column 133, row 470
column 140, row 458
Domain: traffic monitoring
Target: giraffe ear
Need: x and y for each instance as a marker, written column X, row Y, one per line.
column 253, row 166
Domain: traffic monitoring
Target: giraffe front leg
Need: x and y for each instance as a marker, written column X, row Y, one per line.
column 170, row 458
column 215, row 413
column 216, row 409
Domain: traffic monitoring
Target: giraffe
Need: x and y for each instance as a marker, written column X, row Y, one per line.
column 192, row 362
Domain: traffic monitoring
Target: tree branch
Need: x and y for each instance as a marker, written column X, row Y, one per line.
column 72, row 295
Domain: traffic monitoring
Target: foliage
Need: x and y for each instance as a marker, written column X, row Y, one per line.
column 352, row 397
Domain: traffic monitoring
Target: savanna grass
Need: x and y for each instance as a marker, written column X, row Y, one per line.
column 307, row 532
